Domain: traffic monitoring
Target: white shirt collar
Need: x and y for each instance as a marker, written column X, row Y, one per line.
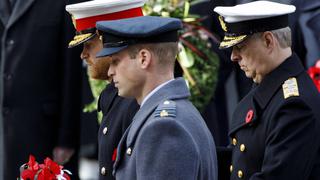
column 154, row 91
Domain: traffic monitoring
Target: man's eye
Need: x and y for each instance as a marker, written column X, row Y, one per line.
column 87, row 45
column 239, row 46
column 114, row 62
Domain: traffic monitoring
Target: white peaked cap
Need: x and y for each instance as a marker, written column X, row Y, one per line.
column 100, row 7
column 253, row 10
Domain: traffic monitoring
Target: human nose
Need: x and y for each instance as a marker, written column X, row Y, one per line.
column 235, row 55
column 111, row 71
column 84, row 54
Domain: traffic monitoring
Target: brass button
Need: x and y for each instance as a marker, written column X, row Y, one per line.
column 166, row 102
column 231, row 168
column 242, row 147
column 240, row 174
column 234, row 141
column 105, row 130
column 103, row 171
column 129, row 151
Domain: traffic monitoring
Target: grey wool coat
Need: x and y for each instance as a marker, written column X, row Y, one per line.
column 168, row 139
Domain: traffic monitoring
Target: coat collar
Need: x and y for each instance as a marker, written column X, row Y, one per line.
column 265, row 90
column 5, row 11
column 19, row 9
column 311, row 5
column 261, row 94
column 176, row 89
column 106, row 98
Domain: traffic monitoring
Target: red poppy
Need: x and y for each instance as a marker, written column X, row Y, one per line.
column 314, row 73
column 49, row 170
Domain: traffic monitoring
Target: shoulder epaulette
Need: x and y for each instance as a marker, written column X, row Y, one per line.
column 166, row 109
column 290, row 88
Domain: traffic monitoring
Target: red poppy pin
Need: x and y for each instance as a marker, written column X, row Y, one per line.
column 249, row 116
column 114, row 155
column 314, row 73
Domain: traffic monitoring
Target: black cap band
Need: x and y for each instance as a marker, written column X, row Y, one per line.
column 86, row 31
column 110, row 40
column 257, row 25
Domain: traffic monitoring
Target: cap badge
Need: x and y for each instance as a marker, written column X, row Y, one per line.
column 290, row 88
column 249, row 116
column 223, row 24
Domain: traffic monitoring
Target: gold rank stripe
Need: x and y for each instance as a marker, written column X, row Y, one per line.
column 230, row 40
column 290, row 88
column 79, row 38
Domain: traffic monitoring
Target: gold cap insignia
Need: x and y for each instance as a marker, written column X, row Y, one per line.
column 290, row 88
column 223, row 24
column 229, row 41
column 79, row 38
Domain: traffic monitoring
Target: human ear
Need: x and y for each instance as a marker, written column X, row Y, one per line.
column 268, row 40
column 144, row 58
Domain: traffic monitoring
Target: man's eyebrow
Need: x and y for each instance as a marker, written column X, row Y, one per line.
column 115, row 58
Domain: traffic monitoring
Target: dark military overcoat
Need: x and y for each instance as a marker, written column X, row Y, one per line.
column 167, row 140
column 118, row 113
column 275, row 129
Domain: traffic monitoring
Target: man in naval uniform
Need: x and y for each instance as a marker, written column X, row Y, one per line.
column 117, row 111
column 275, row 128
column 167, row 138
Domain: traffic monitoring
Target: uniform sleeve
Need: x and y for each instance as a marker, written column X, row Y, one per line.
column 292, row 143
column 166, row 151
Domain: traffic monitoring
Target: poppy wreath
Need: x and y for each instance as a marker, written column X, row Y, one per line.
column 49, row 170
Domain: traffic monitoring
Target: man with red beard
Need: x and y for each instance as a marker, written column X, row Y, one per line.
column 117, row 111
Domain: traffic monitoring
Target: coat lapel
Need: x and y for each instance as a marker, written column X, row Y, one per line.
column 246, row 114
column 5, row 11
column 19, row 9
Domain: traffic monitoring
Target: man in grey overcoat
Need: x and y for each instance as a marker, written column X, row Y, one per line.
column 168, row 138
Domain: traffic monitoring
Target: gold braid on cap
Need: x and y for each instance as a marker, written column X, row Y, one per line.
column 229, row 41
column 79, row 38
column 223, row 24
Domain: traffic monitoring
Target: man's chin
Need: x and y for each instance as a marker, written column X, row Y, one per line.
column 99, row 76
column 123, row 94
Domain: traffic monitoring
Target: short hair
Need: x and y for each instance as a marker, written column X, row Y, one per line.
column 165, row 52
column 283, row 36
